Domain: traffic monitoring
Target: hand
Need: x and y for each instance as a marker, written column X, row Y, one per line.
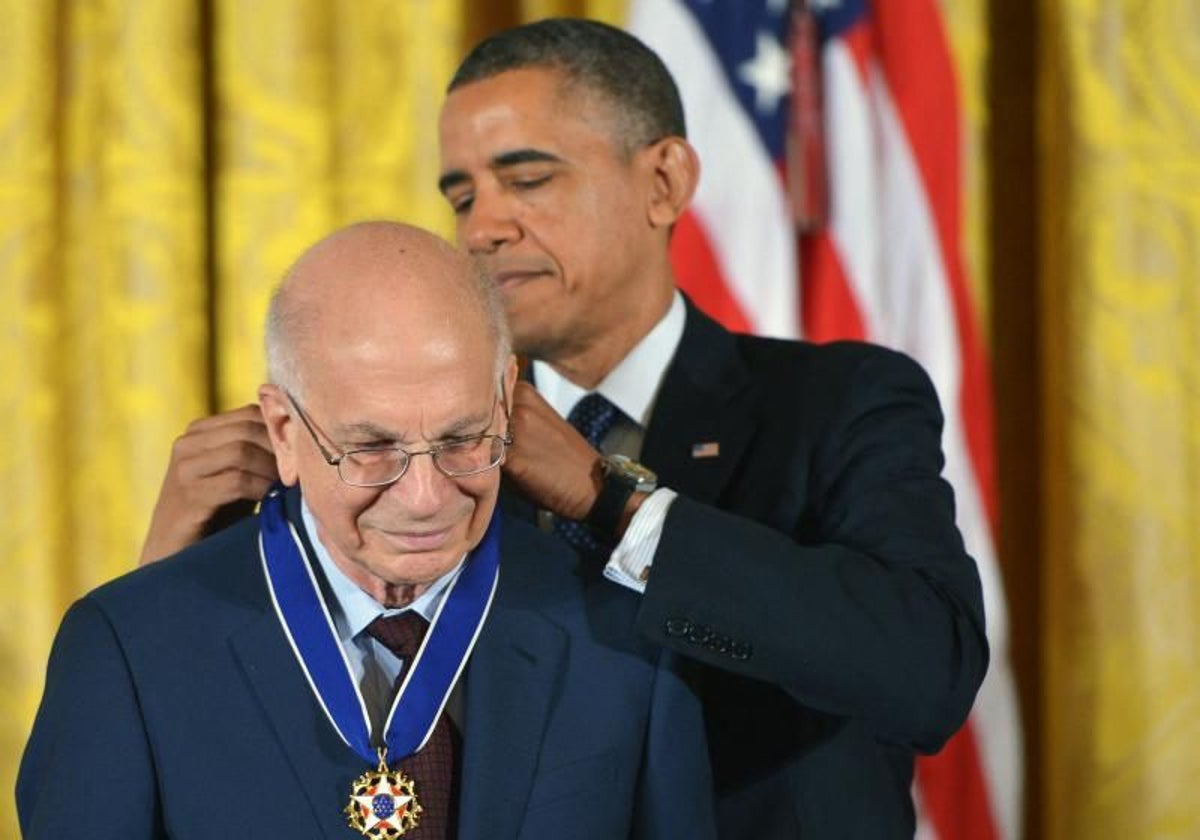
column 219, row 468
column 550, row 461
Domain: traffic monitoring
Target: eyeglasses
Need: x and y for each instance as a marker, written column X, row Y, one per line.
column 382, row 465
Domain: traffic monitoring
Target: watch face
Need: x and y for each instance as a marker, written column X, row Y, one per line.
column 643, row 477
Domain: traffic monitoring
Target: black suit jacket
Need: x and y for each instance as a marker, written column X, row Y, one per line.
column 814, row 572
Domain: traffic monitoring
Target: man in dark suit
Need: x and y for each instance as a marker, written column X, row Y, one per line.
column 239, row 688
column 798, row 542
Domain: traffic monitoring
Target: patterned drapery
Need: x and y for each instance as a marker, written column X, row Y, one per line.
column 1120, row 293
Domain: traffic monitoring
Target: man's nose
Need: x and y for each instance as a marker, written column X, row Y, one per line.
column 423, row 489
column 489, row 223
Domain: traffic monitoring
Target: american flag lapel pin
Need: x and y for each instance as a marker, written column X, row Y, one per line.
column 706, row 449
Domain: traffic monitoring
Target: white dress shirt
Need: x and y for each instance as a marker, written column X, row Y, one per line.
column 373, row 665
column 631, row 386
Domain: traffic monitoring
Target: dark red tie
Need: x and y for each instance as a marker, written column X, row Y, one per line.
column 433, row 769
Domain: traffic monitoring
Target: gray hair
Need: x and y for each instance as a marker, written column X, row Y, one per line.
column 285, row 321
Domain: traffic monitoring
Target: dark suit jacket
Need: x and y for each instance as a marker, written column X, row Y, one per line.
column 814, row 570
column 174, row 707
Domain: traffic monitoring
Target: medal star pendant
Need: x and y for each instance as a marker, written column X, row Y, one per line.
column 383, row 803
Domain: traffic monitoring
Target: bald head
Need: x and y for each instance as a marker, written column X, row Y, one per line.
column 389, row 342
column 374, row 288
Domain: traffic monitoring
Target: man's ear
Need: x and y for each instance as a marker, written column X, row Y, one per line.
column 511, row 371
column 676, row 171
column 276, row 411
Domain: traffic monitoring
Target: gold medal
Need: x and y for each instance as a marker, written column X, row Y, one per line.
column 383, row 803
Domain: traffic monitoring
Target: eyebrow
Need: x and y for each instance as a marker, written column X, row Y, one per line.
column 366, row 430
column 465, row 426
column 501, row 161
column 373, row 432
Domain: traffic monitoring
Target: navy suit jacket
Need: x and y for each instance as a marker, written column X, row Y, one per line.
column 812, row 569
column 174, row 707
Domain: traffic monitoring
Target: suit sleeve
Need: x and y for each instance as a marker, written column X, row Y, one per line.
column 880, row 616
column 88, row 770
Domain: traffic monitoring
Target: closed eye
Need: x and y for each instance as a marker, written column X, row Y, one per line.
column 460, row 203
column 530, row 183
column 461, row 442
column 372, row 445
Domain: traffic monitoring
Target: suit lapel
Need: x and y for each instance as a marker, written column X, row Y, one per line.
column 706, row 398
column 322, row 765
column 511, row 682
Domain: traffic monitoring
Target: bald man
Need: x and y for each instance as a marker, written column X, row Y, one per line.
column 297, row 675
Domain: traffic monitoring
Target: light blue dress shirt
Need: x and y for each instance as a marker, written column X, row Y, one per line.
column 374, row 667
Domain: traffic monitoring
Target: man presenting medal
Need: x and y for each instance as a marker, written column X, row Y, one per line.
column 778, row 505
column 378, row 653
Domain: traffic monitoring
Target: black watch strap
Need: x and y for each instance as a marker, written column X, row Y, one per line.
column 605, row 516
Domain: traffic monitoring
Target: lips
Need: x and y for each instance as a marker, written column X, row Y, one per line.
column 415, row 541
column 510, row 277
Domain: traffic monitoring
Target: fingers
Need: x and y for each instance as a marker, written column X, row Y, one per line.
column 536, row 424
column 247, row 413
column 235, row 485
column 550, row 461
column 232, row 440
column 239, row 446
column 527, row 399
column 217, row 461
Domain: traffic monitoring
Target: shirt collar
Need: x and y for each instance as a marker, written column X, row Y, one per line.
column 633, row 384
column 352, row 608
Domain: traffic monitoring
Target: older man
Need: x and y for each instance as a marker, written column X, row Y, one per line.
column 800, row 544
column 295, row 676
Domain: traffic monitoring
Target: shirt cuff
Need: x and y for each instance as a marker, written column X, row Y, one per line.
column 629, row 564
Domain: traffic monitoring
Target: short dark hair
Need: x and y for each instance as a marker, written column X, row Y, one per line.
column 602, row 58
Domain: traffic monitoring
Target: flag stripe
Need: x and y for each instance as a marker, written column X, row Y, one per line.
column 910, row 278
column 829, row 308
column 922, row 81
column 698, row 274
column 919, row 73
column 954, row 791
column 742, row 209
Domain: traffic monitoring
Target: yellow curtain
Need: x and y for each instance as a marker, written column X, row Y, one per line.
column 1120, row 144
column 967, row 30
column 325, row 113
column 102, row 351
column 609, row 11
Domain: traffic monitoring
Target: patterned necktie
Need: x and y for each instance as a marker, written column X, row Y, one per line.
column 434, row 768
column 593, row 416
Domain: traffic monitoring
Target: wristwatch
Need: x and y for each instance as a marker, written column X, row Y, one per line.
column 622, row 478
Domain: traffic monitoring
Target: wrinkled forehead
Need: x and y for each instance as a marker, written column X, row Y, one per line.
column 401, row 337
column 426, row 396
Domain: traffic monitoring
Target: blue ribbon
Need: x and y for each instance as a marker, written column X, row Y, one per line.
column 310, row 630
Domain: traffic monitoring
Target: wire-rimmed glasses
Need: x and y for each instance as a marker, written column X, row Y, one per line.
column 378, row 466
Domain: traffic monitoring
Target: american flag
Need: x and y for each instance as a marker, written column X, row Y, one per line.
column 829, row 206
